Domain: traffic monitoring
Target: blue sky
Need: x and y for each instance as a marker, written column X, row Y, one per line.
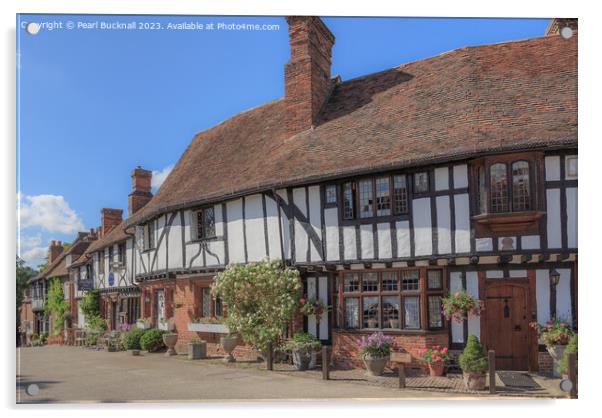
column 95, row 103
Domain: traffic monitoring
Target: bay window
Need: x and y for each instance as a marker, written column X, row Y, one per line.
column 396, row 300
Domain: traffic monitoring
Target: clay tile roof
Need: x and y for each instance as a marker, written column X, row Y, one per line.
column 116, row 234
column 469, row 101
column 58, row 268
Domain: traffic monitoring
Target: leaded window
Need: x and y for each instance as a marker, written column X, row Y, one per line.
column 383, row 197
column 366, row 199
column 204, row 221
column 331, row 194
column 411, row 314
column 400, row 194
column 410, row 280
column 499, row 188
column 521, row 193
column 348, row 201
column 421, row 182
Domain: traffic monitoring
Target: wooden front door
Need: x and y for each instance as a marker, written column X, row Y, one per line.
column 507, row 320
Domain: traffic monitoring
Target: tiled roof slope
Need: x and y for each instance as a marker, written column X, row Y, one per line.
column 469, row 101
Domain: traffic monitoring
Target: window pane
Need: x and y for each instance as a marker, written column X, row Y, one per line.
column 421, row 182
column 400, row 195
column 366, row 200
column 331, row 194
column 521, row 199
column 370, row 312
column 369, row 282
column 410, row 280
column 390, row 312
column 335, row 302
column 352, row 313
column 217, row 308
column 482, row 191
column 435, row 320
column 389, row 281
column 383, row 199
column 411, row 312
column 206, row 303
column 209, row 219
column 151, row 235
column 348, row 205
column 351, row 282
column 499, row 188
column 434, row 279
column 200, row 230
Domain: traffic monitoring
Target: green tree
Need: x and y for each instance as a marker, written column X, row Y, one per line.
column 56, row 304
column 260, row 299
column 24, row 273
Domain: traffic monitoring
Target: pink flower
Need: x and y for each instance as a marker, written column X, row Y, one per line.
column 444, row 350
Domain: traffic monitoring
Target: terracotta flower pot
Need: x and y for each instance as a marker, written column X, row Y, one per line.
column 229, row 343
column 556, row 352
column 474, row 380
column 375, row 366
column 436, row 369
column 170, row 341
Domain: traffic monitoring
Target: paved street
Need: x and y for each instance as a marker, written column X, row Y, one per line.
column 71, row 374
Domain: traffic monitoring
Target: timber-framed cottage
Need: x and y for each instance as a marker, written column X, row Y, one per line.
column 386, row 192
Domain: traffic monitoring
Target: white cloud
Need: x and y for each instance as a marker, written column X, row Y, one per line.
column 29, row 248
column 160, row 176
column 49, row 212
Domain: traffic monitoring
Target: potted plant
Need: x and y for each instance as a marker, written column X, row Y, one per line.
column 459, row 305
column 555, row 334
column 436, row 357
column 474, row 364
column 197, row 349
column 229, row 343
column 563, row 366
column 375, row 351
column 302, row 346
column 312, row 306
column 152, row 340
column 130, row 340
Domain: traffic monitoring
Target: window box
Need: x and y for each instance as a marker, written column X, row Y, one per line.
column 504, row 224
column 214, row 328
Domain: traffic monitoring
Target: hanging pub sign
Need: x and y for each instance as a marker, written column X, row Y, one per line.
column 111, row 279
column 85, row 284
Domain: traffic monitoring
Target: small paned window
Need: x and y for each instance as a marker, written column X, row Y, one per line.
column 121, row 253
column 206, row 302
column 366, row 199
column 421, row 182
column 482, row 191
column 434, row 312
column 389, row 281
column 499, row 188
column 205, row 223
column 331, row 194
column 400, row 195
column 348, row 201
column 369, row 282
column 383, row 197
column 411, row 306
column 351, row 282
column 521, row 192
column 391, row 312
column 352, row 313
column 370, row 309
column 218, row 309
column 410, row 280
column 434, row 279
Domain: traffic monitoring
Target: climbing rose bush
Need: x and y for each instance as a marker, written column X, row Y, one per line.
column 260, row 299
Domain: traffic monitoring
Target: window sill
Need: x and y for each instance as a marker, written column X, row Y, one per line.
column 196, row 240
column 390, row 331
column 504, row 224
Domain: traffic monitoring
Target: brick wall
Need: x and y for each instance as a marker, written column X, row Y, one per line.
column 546, row 364
column 346, row 347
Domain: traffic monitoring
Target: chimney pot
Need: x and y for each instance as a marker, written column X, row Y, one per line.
column 141, row 190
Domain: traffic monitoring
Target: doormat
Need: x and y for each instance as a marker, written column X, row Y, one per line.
column 517, row 379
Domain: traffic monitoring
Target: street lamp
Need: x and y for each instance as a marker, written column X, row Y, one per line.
column 554, row 277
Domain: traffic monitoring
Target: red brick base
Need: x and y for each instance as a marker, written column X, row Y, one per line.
column 346, row 347
column 546, row 364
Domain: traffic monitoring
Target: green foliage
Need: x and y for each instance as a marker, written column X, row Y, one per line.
column 90, row 303
column 24, row 273
column 473, row 358
column 152, row 340
column 96, row 322
column 554, row 332
column 572, row 347
column 459, row 305
column 92, row 337
column 302, row 342
column 261, row 299
column 130, row 340
column 56, row 304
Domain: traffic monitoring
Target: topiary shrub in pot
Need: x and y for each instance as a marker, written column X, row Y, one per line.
column 474, row 364
column 152, row 340
column 301, row 346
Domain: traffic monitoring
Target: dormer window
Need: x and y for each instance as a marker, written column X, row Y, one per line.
column 203, row 222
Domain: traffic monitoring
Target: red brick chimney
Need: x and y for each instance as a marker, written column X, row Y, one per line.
column 141, row 190
column 109, row 219
column 55, row 249
column 307, row 82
